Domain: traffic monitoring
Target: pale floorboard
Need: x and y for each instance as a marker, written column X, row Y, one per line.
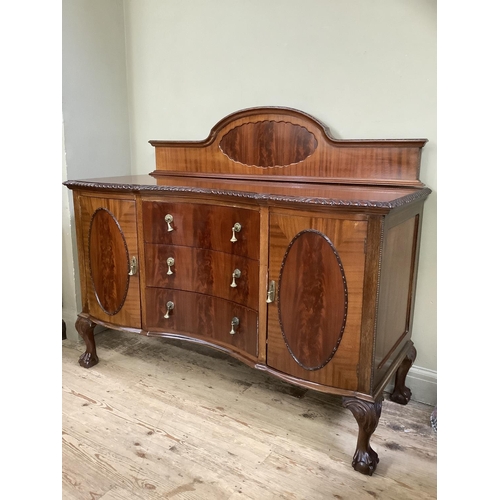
column 162, row 419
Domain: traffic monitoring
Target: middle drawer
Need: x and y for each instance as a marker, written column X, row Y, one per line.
column 204, row 271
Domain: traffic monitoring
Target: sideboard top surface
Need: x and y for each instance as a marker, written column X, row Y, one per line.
column 340, row 195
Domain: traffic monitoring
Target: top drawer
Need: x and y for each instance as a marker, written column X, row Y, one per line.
column 203, row 226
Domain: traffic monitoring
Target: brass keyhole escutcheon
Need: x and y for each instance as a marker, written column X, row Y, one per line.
column 133, row 266
column 270, row 292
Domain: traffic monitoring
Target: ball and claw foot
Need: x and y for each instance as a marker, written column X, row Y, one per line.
column 85, row 327
column 87, row 360
column 402, row 394
column 367, row 415
column 401, row 397
column 365, row 461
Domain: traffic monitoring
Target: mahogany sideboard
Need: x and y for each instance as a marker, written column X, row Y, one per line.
column 272, row 241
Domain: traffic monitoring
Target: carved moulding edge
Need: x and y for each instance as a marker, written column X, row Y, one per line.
column 333, row 202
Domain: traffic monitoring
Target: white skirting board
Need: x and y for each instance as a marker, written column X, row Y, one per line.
column 69, row 317
column 423, row 385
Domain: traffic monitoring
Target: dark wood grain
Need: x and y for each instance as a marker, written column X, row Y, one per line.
column 373, row 246
column 367, row 415
column 108, row 260
column 333, row 160
column 364, row 199
column 268, row 144
column 105, row 250
column 203, row 226
column 335, row 224
column 348, row 236
column 85, row 327
column 202, row 315
column 312, row 304
column 396, row 284
column 203, row 271
column 402, row 394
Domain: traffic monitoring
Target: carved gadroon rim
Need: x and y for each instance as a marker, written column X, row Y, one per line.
column 90, row 262
column 421, row 193
column 344, row 282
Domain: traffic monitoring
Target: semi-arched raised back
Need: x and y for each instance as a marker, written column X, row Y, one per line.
column 275, row 143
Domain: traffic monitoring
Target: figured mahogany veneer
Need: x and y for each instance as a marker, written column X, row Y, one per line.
column 291, row 250
column 312, row 299
column 203, row 271
column 254, row 142
column 201, row 226
column 202, row 316
column 107, row 237
column 108, row 253
column 268, row 144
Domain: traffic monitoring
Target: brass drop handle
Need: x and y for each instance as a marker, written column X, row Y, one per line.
column 169, row 219
column 234, row 322
column 133, row 266
column 236, row 229
column 170, row 263
column 236, row 274
column 170, row 306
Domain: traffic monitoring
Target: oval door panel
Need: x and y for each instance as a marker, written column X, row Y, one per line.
column 109, row 262
column 312, row 299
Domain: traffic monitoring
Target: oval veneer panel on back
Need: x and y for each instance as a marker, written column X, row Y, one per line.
column 268, row 144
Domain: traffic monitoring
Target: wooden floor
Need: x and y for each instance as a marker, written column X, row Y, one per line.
column 163, row 419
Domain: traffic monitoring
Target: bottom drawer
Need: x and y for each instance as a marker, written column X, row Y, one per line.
column 203, row 316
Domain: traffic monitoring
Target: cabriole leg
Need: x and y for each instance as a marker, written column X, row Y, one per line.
column 402, row 394
column 367, row 415
column 85, row 328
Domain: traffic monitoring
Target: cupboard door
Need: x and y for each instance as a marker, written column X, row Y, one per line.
column 314, row 324
column 109, row 236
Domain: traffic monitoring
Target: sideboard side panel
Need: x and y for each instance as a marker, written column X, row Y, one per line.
column 81, row 251
column 397, row 285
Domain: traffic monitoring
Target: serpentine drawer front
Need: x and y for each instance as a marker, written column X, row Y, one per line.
column 224, row 229
column 272, row 241
column 230, row 277
column 206, row 317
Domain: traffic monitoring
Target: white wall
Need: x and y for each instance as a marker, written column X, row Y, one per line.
column 366, row 69
column 96, row 140
column 71, row 299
